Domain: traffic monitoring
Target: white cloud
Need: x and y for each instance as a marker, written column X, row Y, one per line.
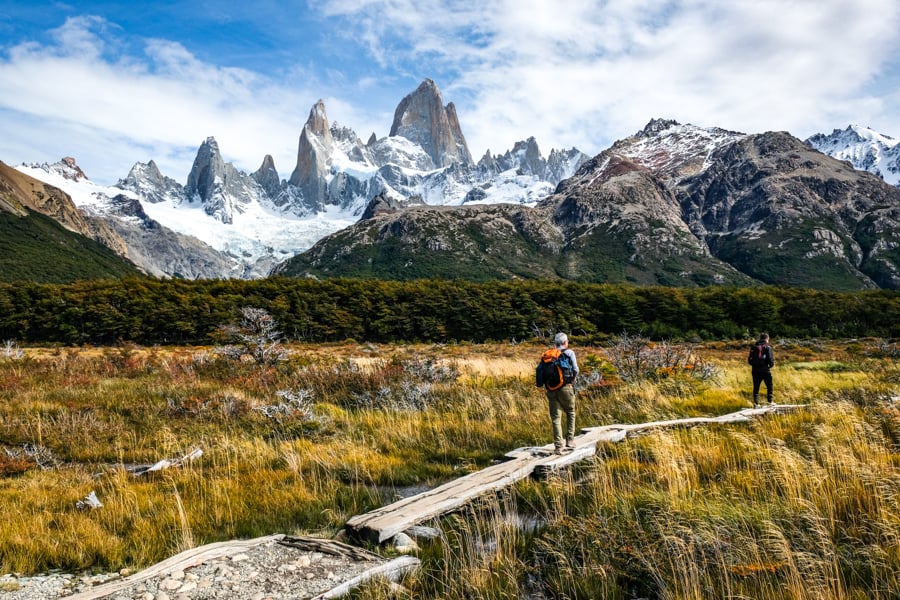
column 575, row 73
column 585, row 73
column 169, row 102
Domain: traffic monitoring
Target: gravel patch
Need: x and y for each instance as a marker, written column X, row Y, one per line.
column 274, row 568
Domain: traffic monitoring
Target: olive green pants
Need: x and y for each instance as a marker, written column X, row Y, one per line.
column 562, row 400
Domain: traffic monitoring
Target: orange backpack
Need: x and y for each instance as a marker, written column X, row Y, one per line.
column 549, row 373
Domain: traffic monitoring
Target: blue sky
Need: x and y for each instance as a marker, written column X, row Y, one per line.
column 114, row 83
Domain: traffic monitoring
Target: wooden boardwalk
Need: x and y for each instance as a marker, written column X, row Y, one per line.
column 384, row 523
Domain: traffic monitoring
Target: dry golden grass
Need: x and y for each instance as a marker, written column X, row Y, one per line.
column 799, row 506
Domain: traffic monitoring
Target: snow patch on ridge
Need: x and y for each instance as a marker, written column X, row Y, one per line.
column 257, row 232
column 864, row 148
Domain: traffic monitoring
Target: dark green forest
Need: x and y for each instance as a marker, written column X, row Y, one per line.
column 37, row 248
column 153, row 311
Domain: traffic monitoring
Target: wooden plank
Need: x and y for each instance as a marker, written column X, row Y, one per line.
column 384, row 523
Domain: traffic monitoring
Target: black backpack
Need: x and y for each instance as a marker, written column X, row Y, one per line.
column 759, row 356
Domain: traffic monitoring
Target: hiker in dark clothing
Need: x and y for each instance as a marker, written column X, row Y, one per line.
column 761, row 361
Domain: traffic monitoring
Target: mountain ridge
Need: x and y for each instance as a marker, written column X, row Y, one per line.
column 256, row 220
column 44, row 238
column 673, row 205
column 653, row 211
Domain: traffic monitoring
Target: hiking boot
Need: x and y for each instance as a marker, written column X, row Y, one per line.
column 558, row 450
column 570, row 443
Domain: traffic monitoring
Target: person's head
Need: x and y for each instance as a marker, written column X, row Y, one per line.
column 764, row 337
column 561, row 340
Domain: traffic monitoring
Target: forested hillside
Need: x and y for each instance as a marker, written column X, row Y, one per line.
column 152, row 311
column 37, row 248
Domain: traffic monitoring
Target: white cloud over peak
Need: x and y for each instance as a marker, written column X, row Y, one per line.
column 165, row 101
column 577, row 73
column 538, row 67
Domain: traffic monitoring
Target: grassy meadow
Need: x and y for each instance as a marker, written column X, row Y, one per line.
column 798, row 505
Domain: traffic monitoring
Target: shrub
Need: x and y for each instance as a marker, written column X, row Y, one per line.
column 637, row 358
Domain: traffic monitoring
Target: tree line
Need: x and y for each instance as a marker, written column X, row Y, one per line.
column 161, row 311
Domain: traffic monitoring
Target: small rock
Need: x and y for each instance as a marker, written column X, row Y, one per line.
column 404, row 544
column 169, row 585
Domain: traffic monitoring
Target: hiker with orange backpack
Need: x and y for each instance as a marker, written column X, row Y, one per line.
column 761, row 361
column 556, row 372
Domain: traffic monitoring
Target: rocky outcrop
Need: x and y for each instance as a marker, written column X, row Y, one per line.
column 384, row 204
column 422, row 118
column 220, row 187
column 789, row 215
column 146, row 180
column 267, row 177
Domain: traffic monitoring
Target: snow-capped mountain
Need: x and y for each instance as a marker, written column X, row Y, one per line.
column 674, row 205
column 257, row 220
column 673, row 150
column 864, row 148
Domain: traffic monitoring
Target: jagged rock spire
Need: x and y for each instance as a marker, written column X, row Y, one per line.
column 313, row 155
column 267, row 176
column 421, row 117
column 208, row 170
column 218, row 185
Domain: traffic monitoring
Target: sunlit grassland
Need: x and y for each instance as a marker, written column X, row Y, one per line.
column 797, row 505
column 72, row 421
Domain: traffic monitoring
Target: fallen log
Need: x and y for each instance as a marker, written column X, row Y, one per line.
column 392, row 571
column 331, row 547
